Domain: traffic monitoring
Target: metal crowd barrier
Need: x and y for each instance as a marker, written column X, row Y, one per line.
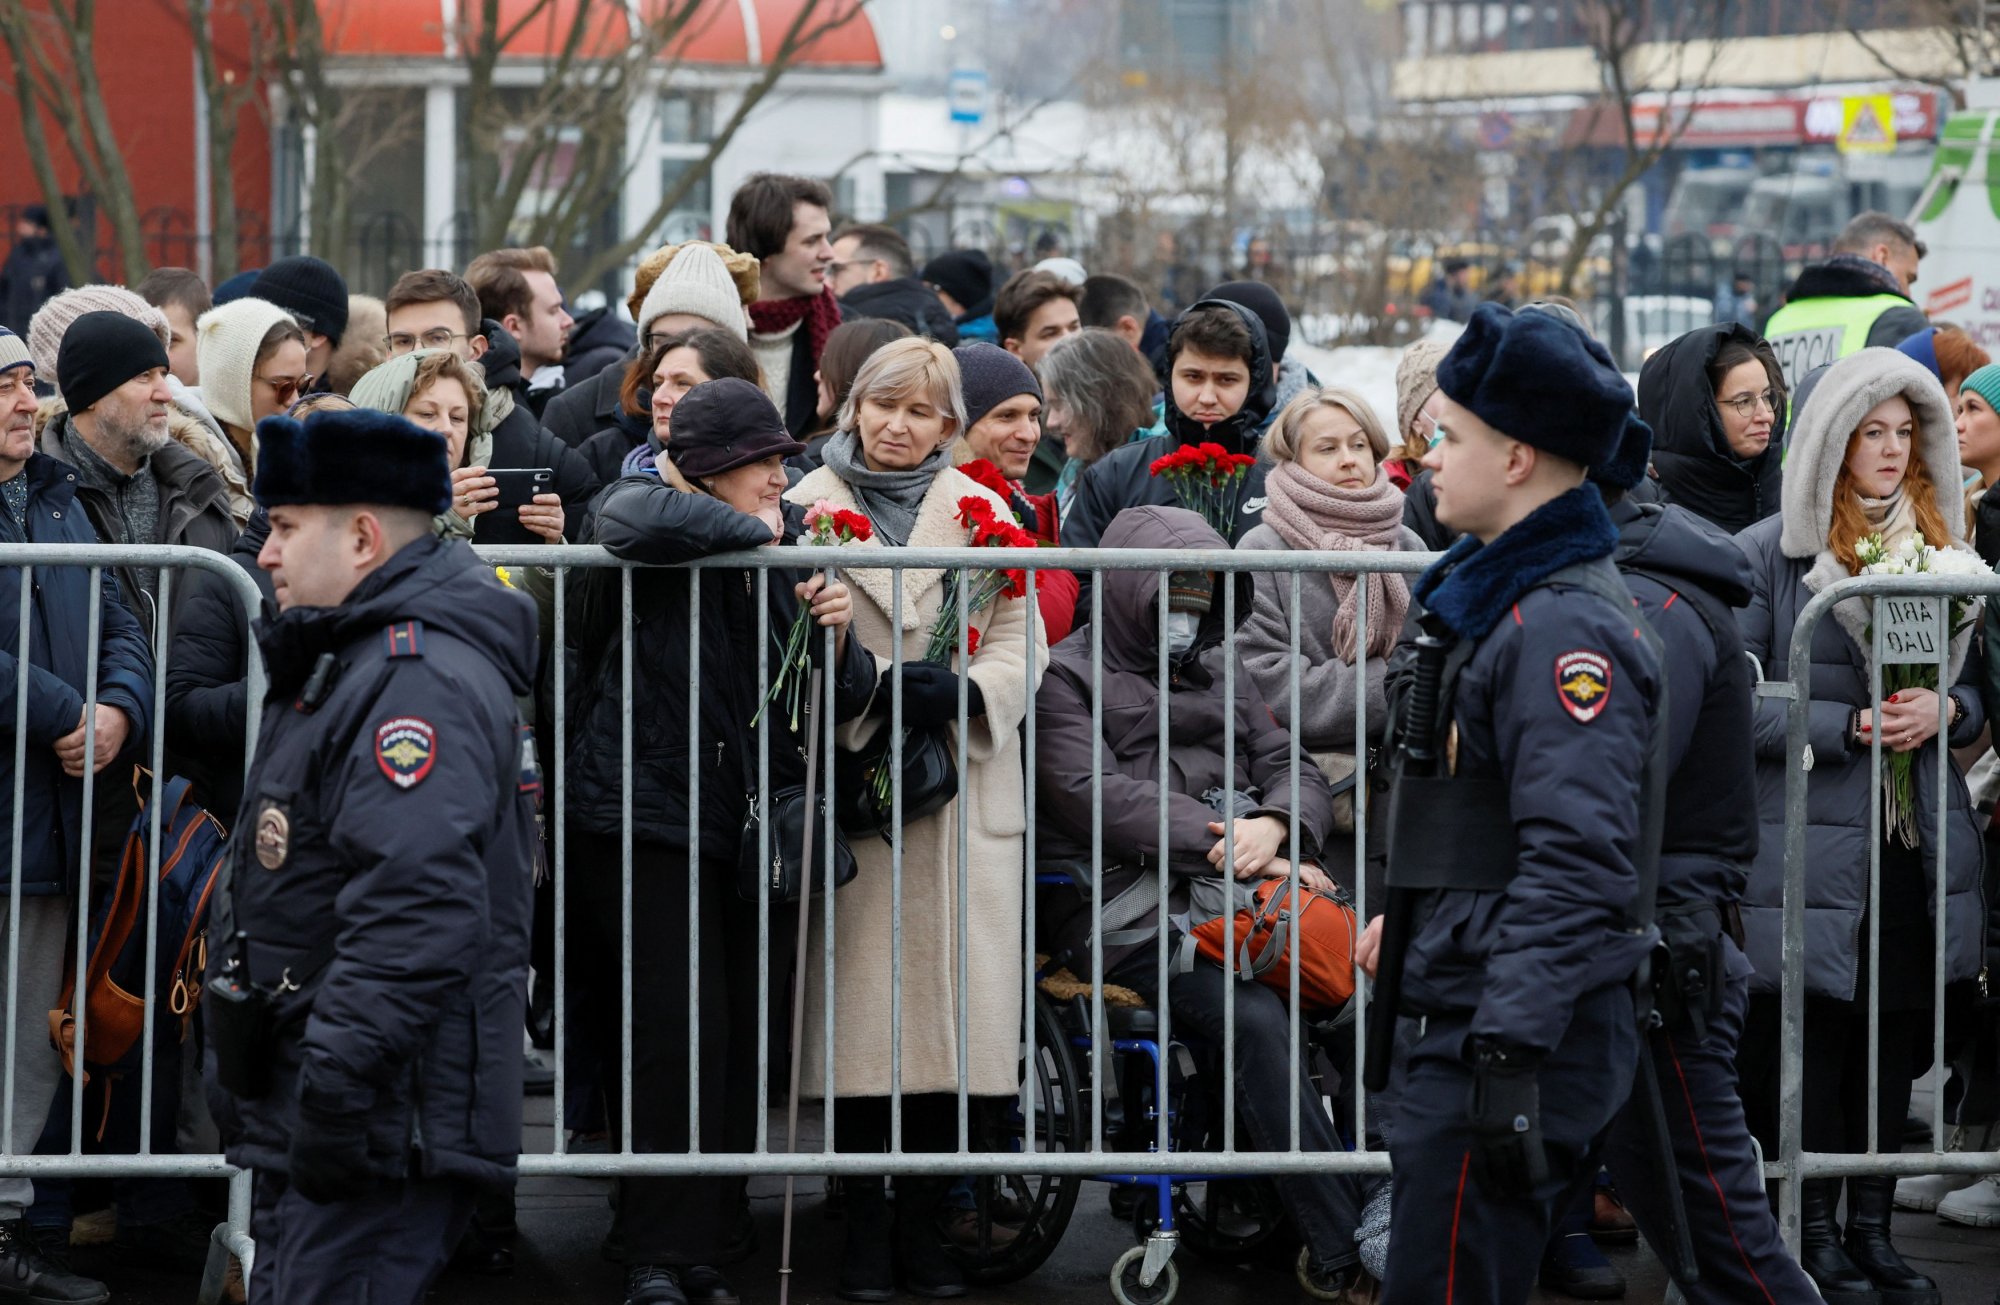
column 1051, row 1143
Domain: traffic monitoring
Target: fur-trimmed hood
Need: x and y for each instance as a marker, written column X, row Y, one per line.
column 1818, row 442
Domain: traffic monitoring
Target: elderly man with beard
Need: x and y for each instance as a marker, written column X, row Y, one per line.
column 136, row 484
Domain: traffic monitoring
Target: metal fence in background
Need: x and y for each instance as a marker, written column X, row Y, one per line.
column 1077, row 1052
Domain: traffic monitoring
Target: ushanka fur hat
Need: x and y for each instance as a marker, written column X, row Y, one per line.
column 1537, row 379
column 358, row 456
column 1817, row 445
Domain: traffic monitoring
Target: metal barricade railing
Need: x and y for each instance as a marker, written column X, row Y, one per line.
column 1081, row 1142
column 1919, row 634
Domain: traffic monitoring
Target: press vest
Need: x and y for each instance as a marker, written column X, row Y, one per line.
column 1810, row 333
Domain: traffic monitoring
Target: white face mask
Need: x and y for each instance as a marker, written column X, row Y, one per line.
column 1181, row 630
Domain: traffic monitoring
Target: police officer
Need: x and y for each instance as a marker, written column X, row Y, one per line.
column 365, row 1033
column 1687, row 577
column 1514, row 867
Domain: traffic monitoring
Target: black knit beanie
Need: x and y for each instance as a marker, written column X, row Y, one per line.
column 310, row 290
column 964, row 274
column 989, row 376
column 100, row 352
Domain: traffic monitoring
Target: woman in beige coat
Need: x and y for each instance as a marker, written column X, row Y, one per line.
column 891, row 460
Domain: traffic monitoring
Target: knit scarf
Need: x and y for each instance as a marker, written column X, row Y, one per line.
column 1312, row 515
column 890, row 498
column 820, row 313
column 1894, row 518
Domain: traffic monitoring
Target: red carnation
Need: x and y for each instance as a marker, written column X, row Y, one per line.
column 990, row 476
column 974, row 511
column 854, row 524
column 971, row 641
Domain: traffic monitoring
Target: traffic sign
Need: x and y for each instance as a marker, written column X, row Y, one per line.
column 1867, row 124
column 965, row 92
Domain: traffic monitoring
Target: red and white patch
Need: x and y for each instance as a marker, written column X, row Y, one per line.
column 405, row 749
column 1583, row 682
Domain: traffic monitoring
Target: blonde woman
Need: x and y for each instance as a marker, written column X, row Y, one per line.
column 891, row 460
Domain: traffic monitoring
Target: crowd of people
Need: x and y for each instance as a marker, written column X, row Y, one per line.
column 803, row 376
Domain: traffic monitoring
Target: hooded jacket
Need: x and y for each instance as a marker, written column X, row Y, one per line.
column 597, row 340
column 58, row 670
column 1123, row 477
column 520, row 441
column 645, row 520
column 392, row 823
column 1691, row 455
column 207, row 697
column 1199, row 718
column 1790, row 563
column 904, row 299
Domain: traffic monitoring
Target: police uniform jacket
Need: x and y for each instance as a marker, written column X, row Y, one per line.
column 389, row 815
column 1555, row 700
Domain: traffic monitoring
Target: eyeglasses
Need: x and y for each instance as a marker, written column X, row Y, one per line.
column 288, row 387
column 1745, row 404
column 435, row 338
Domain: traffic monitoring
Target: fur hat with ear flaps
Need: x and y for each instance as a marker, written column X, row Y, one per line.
column 1817, row 445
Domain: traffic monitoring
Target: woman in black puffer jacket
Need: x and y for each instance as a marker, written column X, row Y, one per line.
column 728, row 445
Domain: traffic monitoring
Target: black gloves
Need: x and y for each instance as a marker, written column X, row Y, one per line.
column 329, row 1155
column 930, row 695
column 1505, row 1111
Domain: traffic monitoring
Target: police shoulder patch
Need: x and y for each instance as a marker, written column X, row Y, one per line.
column 405, row 749
column 1583, row 682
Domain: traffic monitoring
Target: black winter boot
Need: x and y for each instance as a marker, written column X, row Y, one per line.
column 868, row 1265
column 1869, row 1198
column 1838, row 1278
column 28, row 1275
column 926, row 1269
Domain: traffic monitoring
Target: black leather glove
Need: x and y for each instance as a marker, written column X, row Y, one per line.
column 1504, row 1107
column 329, row 1153
column 930, row 695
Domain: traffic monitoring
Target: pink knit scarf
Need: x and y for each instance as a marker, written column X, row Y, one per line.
column 1311, row 515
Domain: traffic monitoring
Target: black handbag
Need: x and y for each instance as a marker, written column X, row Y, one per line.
column 930, row 780
column 783, row 865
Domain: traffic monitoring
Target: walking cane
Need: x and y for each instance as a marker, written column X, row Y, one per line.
column 799, row 979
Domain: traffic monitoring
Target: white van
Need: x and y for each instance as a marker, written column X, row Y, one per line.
column 1958, row 217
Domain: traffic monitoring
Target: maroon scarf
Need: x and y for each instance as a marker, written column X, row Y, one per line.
column 820, row 313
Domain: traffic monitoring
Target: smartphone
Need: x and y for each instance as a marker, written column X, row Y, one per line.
column 518, row 487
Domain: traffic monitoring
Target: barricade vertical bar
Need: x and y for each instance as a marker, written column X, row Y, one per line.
column 558, row 748
column 147, row 1018
column 1877, row 830
column 764, row 851
column 1791, row 954
column 1943, row 860
column 895, row 870
column 1229, row 861
column 625, row 863
column 1030, row 1061
column 1163, row 950
column 960, row 819
column 1360, row 880
column 22, row 658
column 1292, row 843
column 1097, row 1028
column 826, row 897
column 695, row 759
column 94, row 651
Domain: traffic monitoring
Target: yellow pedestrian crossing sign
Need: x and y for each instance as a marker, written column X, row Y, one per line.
column 1867, row 124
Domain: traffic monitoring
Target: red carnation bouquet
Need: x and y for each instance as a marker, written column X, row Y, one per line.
column 990, row 529
column 825, row 525
column 1209, row 479
column 992, row 478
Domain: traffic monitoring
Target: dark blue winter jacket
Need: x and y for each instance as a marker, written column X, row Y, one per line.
column 58, row 661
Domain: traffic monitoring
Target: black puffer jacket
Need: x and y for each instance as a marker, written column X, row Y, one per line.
column 645, row 520
column 520, row 441
column 605, row 452
column 906, row 300
column 583, row 409
column 206, row 693
column 1691, row 456
column 597, row 340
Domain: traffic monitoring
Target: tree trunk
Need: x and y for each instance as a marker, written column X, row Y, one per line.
column 76, row 252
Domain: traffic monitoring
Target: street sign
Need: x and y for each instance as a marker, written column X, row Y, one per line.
column 965, row 93
column 1867, row 124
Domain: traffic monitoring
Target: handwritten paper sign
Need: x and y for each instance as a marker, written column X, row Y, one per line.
column 1909, row 630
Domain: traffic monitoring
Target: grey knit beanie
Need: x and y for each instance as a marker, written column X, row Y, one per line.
column 226, row 340
column 696, row 282
column 1416, row 381
column 52, row 321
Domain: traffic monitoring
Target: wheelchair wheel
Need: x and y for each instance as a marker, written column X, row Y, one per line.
column 1019, row 1219
column 1234, row 1221
column 1125, row 1286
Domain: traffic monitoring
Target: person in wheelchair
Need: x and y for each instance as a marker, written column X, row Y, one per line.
column 1257, row 794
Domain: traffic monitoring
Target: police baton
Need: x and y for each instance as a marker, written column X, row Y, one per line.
column 1419, row 758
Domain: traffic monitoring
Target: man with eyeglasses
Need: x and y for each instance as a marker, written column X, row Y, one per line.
column 436, row 309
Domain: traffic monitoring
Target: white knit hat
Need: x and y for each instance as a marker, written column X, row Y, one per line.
column 225, row 351
column 51, row 321
column 696, row 282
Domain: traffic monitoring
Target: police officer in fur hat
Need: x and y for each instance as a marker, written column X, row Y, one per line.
column 372, row 938
column 1517, row 850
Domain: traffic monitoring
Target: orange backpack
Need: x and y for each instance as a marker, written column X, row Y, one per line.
column 1324, row 927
